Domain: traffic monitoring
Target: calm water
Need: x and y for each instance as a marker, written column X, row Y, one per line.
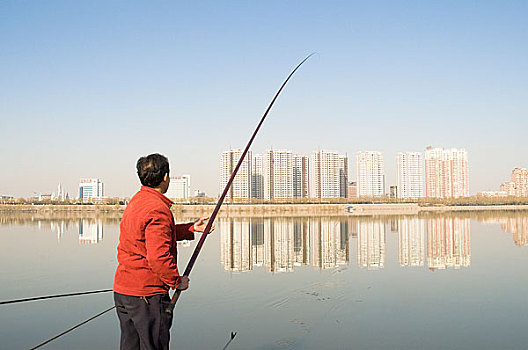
column 427, row 282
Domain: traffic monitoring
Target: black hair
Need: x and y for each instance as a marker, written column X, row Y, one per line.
column 151, row 169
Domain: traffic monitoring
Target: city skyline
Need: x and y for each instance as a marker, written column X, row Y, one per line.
column 436, row 173
column 79, row 96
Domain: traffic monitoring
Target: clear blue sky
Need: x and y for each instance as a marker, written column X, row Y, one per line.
column 88, row 87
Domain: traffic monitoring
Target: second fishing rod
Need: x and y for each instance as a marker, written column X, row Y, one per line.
column 207, row 230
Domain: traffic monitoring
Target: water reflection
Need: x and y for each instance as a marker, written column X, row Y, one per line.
column 90, row 231
column 448, row 243
column 281, row 244
column 518, row 227
column 371, row 244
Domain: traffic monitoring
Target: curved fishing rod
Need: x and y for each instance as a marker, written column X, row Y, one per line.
column 15, row 301
column 207, row 230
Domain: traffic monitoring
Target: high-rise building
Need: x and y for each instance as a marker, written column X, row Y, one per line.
column 446, row 173
column 60, row 195
column 278, row 174
column 257, row 177
column 370, row 174
column 343, row 176
column 508, row 188
column 300, row 176
column 179, row 187
column 410, row 175
column 241, row 187
column 352, row 190
column 519, row 177
column 327, row 172
column 91, row 189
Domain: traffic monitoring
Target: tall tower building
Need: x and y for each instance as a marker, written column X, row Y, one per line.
column 278, row 174
column 519, row 177
column 257, row 177
column 410, row 175
column 343, row 176
column 91, row 189
column 327, row 170
column 179, row 187
column 446, row 173
column 370, row 174
column 300, row 176
column 241, row 187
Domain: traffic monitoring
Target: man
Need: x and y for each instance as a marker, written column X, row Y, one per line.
column 147, row 259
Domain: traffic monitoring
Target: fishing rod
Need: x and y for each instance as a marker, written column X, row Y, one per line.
column 207, row 230
column 16, row 301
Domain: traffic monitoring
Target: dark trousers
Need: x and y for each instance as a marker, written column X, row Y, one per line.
column 144, row 323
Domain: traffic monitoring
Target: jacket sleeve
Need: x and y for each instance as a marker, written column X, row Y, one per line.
column 158, row 238
column 185, row 231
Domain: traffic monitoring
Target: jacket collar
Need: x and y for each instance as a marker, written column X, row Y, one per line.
column 165, row 200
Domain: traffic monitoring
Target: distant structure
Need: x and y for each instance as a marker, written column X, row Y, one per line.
column 508, row 188
column 393, row 191
column 278, row 174
column 91, row 189
column 241, row 187
column 198, row 193
column 300, row 176
column 61, row 194
column 519, row 177
column 179, row 187
column 446, row 173
column 328, row 176
column 370, row 174
column 257, row 177
column 352, row 190
column 410, row 175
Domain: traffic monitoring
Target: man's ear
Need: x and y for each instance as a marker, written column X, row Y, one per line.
column 165, row 177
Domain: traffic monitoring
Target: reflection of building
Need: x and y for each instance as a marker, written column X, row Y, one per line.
column 280, row 244
column 179, row 187
column 446, row 173
column 236, row 245
column 448, row 243
column 411, row 239
column 370, row 174
column 60, row 227
column 90, row 231
column 371, row 244
column 329, row 243
column 518, row 227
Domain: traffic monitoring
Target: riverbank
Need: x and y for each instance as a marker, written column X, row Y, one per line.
column 245, row 210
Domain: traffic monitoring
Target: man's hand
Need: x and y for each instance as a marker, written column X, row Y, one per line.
column 199, row 226
column 184, row 283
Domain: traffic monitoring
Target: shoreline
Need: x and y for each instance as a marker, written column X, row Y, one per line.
column 242, row 210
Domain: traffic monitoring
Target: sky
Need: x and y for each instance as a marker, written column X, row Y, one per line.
column 88, row 87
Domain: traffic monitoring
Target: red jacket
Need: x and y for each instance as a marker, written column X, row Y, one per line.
column 146, row 252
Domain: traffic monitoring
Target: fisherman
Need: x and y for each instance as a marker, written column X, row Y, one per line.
column 147, row 259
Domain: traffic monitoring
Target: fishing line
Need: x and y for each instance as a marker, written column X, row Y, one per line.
column 72, row 328
column 15, row 301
